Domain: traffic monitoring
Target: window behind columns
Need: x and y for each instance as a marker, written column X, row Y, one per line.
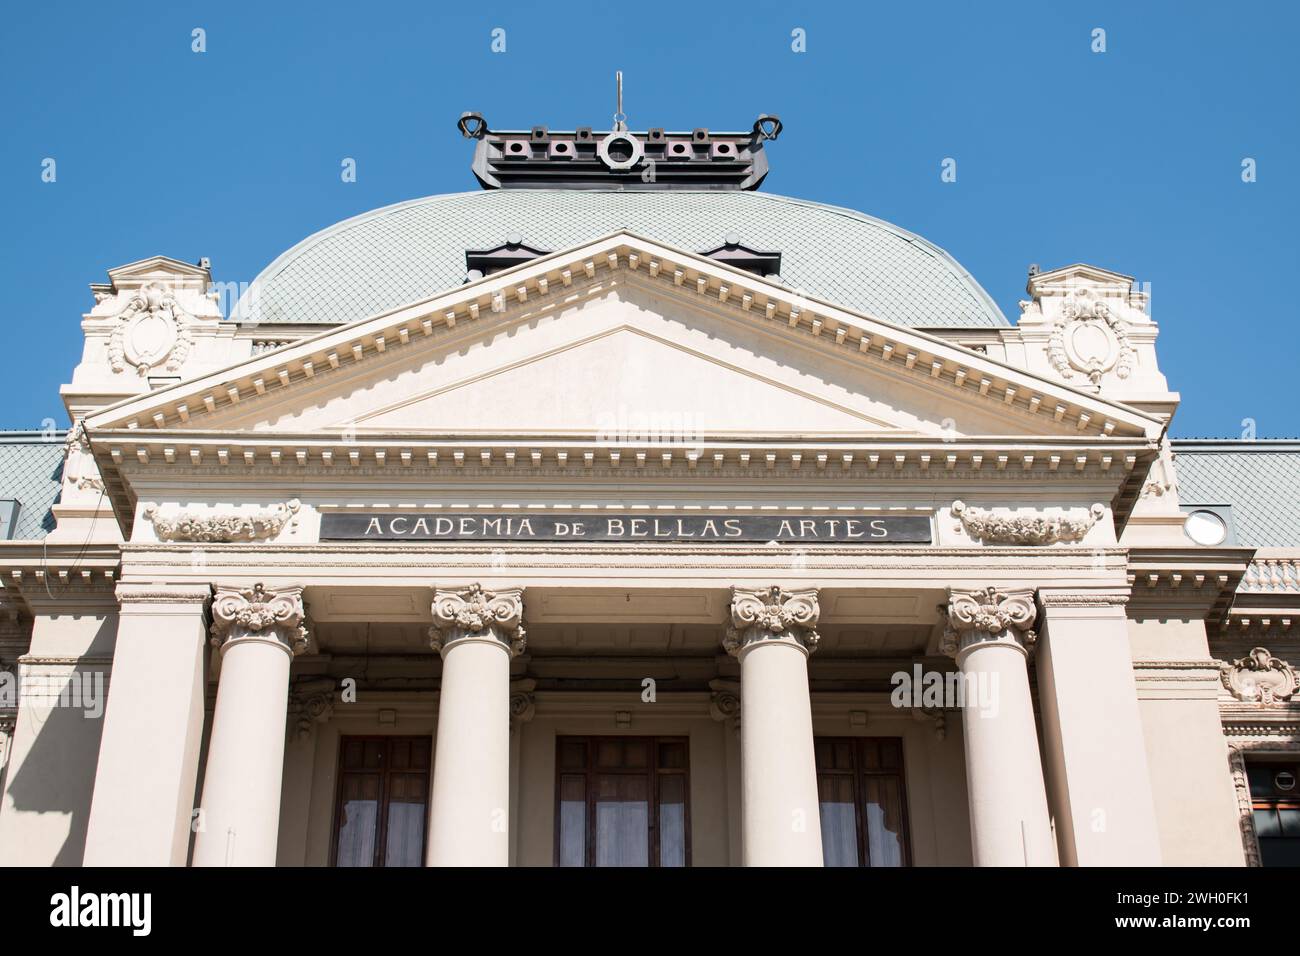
column 863, row 801
column 1275, row 800
column 382, row 801
column 622, row 801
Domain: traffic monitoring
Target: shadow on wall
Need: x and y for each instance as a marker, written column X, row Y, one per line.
column 57, row 774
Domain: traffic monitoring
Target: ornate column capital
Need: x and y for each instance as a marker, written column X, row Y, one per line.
column 249, row 614
column 473, row 614
column 772, row 614
column 989, row 616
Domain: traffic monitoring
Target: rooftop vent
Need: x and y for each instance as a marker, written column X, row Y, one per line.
column 619, row 158
column 513, row 252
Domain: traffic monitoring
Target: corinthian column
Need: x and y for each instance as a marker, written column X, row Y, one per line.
column 477, row 632
column 259, row 632
column 989, row 633
column 772, row 633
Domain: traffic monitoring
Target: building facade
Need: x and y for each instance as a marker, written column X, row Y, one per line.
column 620, row 513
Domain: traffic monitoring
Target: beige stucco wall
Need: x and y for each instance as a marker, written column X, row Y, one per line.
column 51, row 771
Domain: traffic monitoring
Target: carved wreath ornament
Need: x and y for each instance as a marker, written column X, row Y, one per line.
column 222, row 526
column 992, row 528
column 150, row 331
column 1089, row 339
column 1259, row 677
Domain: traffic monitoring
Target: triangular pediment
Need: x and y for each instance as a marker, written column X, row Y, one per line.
column 625, row 327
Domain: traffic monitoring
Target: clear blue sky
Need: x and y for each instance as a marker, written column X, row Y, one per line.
column 1130, row 159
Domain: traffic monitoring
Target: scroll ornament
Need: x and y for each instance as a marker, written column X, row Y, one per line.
column 465, row 612
column 1259, row 677
column 222, row 526
column 986, row 615
column 772, row 614
column 151, row 331
column 240, row 613
column 992, row 528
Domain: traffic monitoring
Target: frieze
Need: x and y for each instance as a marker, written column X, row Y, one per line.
column 222, row 526
column 1026, row 529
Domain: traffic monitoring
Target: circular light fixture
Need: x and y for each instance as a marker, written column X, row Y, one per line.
column 1205, row 528
column 1284, row 780
column 619, row 151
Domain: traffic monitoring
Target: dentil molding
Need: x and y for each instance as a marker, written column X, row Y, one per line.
column 993, row 528
column 772, row 614
column 222, row 526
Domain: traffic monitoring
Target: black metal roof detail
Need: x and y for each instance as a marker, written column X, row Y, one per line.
column 619, row 159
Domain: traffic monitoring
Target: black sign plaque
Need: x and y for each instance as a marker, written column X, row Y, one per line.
column 603, row 526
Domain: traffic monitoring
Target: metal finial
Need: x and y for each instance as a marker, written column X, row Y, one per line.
column 620, row 118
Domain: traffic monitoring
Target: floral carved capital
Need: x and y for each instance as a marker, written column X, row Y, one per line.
column 242, row 613
column 1033, row 529
column 464, row 613
column 989, row 615
column 1259, row 677
column 222, row 526
column 773, row 613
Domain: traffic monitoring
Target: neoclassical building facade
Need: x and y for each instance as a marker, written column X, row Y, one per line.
column 621, row 513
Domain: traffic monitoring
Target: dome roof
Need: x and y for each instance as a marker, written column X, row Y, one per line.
column 413, row 250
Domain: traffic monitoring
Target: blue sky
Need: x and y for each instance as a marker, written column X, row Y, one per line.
column 1129, row 159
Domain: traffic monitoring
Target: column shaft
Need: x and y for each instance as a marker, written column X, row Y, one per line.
column 477, row 633
column 259, row 631
column 771, row 635
column 988, row 633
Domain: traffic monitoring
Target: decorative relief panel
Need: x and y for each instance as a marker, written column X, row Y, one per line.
column 222, row 526
column 151, row 332
column 1033, row 529
column 1087, row 338
column 1260, row 677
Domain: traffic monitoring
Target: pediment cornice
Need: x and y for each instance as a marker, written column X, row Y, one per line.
column 970, row 377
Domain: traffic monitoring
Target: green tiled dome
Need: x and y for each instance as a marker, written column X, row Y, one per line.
column 403, row 253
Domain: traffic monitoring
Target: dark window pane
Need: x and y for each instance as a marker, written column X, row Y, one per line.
column 843, row 755
column 822, row 747
column 870, row 755
column 636, row 755
column 672, row 755
column 1290, row 821
column 839, row 820
column 622, row 820
column 372, row 754
column 573, row 820
column 891, row 754
column 573, row 755
column 1266, row 824
column 609, row 753
column 672, row 820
